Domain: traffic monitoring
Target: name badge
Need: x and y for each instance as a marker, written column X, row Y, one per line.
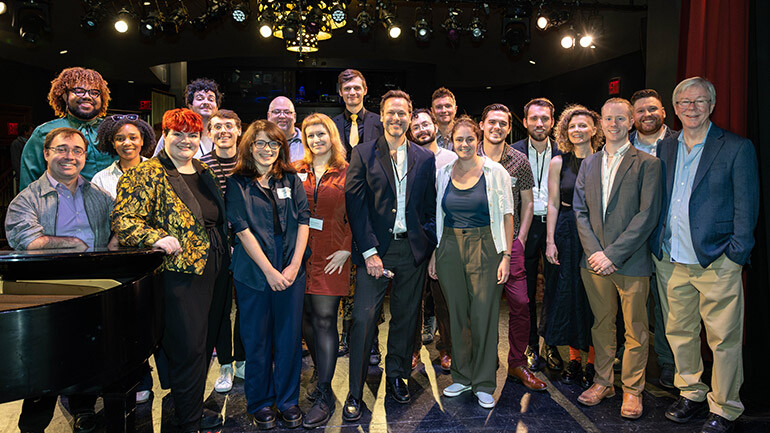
column 513, row 181
column 284, row 192
column 316, row 224
column 302, row 176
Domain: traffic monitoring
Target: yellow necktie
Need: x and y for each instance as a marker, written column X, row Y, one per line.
column 353, row 130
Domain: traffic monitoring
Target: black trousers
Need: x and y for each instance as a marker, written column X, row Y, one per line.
column 36, row 413
column 405, row 302
column 222, row 336
column 534, row 251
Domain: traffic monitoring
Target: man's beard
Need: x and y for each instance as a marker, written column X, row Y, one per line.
column 75, row 110
column 425, row 139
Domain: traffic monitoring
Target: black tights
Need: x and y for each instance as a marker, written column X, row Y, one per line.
column 319, row 327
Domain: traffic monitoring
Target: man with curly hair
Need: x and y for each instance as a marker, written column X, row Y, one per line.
column 79, row 97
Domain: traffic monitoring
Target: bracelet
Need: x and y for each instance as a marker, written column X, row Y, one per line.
column 507, row 254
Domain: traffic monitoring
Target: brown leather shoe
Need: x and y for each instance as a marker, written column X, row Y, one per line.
column 632, row 406
column 415, row 359
column 595, row 394
column 527, row 378
column 446, row 362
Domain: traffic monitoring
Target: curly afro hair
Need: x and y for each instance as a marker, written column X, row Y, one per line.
column 105, row 136
column 74, row 77
column 204, row 85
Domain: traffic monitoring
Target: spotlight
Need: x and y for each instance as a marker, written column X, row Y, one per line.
column 291, row 26
column 542, row 22
column 364, row 22
column 452, row 25
column 516, row 28
column 422, row 30
column 31, row 18
column 338, row 15
column 586, row 41
column 266, row 24
column 568, row 39
column 314, row 20
column 149, row 25
column 3, row 8
column 175, row 21
column 89, row 21
column 476, row 29
column 240, row 12
column 389, row 21
column 121, row 24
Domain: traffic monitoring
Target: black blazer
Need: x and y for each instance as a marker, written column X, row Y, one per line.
column 370, row 199
column 372, row 129
column 521, row 146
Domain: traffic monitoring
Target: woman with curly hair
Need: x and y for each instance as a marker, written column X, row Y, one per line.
column 125, row 136
column 578, row 134
column 173, row 202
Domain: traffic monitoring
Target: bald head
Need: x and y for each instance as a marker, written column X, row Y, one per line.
column 281, row 112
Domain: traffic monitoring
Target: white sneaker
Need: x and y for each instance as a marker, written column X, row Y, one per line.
column 456, row 389
column 485, row 400
column 143, row 396
column 240, row 369
column 224, row 382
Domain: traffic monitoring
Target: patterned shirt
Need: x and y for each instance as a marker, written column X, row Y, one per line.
column 222, row 167
column 444, row 142
column 517, row 165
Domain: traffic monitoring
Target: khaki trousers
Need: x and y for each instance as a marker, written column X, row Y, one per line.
column 714, row 295
column 466, row 264
column 603, row 294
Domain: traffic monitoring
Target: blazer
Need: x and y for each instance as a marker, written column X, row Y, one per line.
column 372, row 129
column 669, row 132
column 370, row 199
column 153, row 201
column 724, row 202
column 633, row 210
column 522, row 146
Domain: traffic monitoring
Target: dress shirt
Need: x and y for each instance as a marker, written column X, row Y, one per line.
column 651, row 148
column 296, row 149
column 610, row 164
column 107, row 179
column 517, row 166
column 345, row 133
column 444, row 142
column 677, row 240
column 71, row 217
column 539, row 163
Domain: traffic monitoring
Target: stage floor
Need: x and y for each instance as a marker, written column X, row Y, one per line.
column 517, row 410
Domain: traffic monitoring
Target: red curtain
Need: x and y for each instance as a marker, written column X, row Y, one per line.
column 714, row 44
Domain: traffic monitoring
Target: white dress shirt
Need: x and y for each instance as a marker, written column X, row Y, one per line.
column 610, row 164
column 539, row 163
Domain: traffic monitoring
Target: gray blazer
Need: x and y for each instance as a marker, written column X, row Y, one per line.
column 632, row 211
column 33, row 212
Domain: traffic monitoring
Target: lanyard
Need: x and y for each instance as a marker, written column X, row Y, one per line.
column 540, row 166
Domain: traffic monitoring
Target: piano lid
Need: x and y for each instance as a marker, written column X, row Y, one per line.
column 71, row 264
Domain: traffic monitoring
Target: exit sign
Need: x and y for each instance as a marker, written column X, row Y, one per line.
column 614, row 86
column 145, row 105
column 13, row 128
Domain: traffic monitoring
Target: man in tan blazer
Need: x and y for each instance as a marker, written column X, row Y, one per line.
column 617, row 205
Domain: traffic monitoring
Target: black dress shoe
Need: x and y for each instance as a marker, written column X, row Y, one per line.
column 573, row 373
column 211, row 419
column 588, row 376
column 553, row 358
column 352, row 409
column 716, row 424
column 322, row 409
column 535, row 362
column 685, row 409
column 84, row 423
column 292, row 417
column 398, row 389
column 264, row 418
column 374, row 355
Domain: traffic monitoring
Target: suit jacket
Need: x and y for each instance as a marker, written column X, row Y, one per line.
column 370, row 199
column 724, row 202
column 633, row 209
column 522, row 146
column 669, row 132
column 372, row 129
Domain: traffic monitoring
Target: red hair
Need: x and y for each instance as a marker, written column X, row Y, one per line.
column 182, row 119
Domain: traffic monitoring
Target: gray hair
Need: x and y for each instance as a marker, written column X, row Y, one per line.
column 695, row 81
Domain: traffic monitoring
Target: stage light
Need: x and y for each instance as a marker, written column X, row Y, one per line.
column 89, row 21
column 149, row 25
column 217, row 8
column 389, row 21
column 515, row 27
column 452, row 25
column 121, row 24
column 339, row 16
column 542, row 22
column 586, row 41
column 3, row 8
column 241, row 12
column 476, row 29
column 176, row 20
column 31, row 19
column 568, row 41
column 364, row 22
column 291, row 26
column 422, row 30
column 314, row 20
column 266, row 23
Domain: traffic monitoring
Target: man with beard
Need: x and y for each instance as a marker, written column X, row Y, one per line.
column 203, row 97
column 80, row 98
column 281, row 112
column 355, row 124
column 423, row 132
column 539, row 120
column 390, row 189
column 496, row 120
column 444, row 107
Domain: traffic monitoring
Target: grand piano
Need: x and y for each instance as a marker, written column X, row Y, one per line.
column 79, row 323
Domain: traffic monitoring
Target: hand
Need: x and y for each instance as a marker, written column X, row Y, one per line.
column 169, row 244
column 551, row 253
column 276, row 280
column 600, row 263
column 504, row 270
column 290, row 273
column 113, row 245
column 432, row 266
column 608, row 271
column 374, row 266
column 336, row 260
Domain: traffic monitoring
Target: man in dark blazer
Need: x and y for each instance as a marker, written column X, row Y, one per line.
column 539, row 121
column 617, row 205
column 390, row 196
column 351, row 86
column 703, row 239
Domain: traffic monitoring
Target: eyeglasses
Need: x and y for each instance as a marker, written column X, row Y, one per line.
column 124, row 116
column 224, row 126
column 686, row 103
column 277, row 113
column 80, row 92
column 260, row 144
column 63, row 150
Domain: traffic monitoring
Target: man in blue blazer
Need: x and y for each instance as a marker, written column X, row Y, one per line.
column 703, row 239
column 390, row 196
column 355, row 124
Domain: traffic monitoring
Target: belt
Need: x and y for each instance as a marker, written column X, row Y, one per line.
column 542, row 218
column 398, row 236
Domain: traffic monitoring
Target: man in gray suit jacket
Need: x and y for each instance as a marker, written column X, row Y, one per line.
column 617, row 205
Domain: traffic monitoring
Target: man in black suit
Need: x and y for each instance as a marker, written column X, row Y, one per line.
column 390, row 196
column 351, row 86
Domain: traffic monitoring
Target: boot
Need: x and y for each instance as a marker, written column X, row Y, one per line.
column 323, row 408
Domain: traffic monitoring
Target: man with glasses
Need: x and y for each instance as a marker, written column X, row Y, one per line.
column 80, row 98
column 60, row 210
column 281, row 112
column 704, row 237
column 356, row 124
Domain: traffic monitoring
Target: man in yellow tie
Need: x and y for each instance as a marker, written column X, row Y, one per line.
column 355, row 124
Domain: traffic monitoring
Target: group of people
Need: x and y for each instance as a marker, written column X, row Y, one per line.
column 299, row 220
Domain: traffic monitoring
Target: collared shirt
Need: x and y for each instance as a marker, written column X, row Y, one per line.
column 539, row 163
column 651, row 148
column 107, row 179
column 444, row 142
column 610, row 164
column 677, row 239
column 206, row 146
column 517, row 166
column 345, row 133
column 296, row 149
column 71, row 217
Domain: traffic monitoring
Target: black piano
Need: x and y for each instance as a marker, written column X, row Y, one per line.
column 79, row 323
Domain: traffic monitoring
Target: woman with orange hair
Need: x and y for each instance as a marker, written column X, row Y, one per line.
column 174, row 202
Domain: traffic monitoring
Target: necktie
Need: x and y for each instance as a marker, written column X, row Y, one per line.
column 353, row 130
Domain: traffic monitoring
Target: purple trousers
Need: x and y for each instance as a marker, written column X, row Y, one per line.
column 518, row 308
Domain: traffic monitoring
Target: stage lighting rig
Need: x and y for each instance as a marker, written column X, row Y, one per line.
column 477, row 27
column 388, row 19
column 176, row 20
column 452, row 25
column 515, row 27
column 240, row 12
column 31, row 18
column 423, row 25
column 338, row 14
column 121, row 23
column 150, row 24
column 267, row 23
